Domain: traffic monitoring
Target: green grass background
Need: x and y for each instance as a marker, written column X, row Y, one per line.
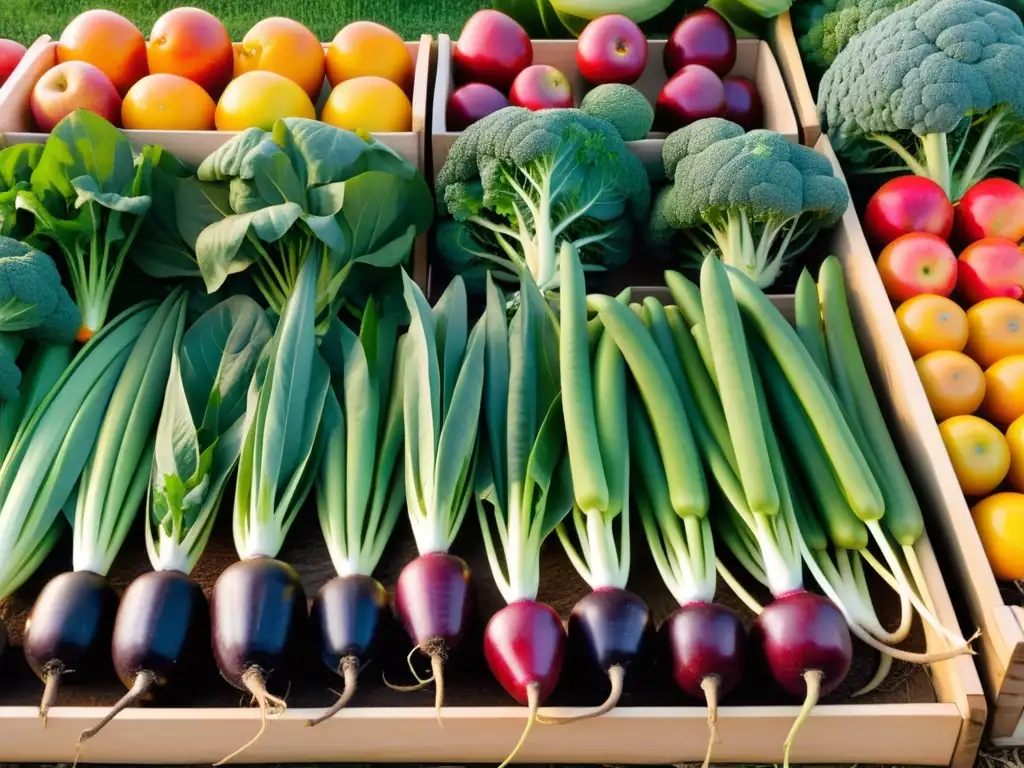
column 25, row 20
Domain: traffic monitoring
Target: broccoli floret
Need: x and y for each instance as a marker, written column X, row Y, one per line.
column 624, row 107
column 754, row 199
column 824, row 27
column 521, row 182
column 938, row 84
column 33, row 301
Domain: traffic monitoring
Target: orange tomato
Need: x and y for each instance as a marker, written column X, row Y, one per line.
column 953, row 383
column 365, row 48
column 258, row 100
column 168, row 103
column 1015, row 440
column 930, row 323
column 109, row 42
column 978, row 451
column 996, row 330
column 1000, row 523
column 287, row 48
column 195, row 44
column 1004, row 390
column 370, row 104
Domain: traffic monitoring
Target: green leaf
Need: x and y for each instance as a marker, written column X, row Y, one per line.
column 220, row 251
column 331, row 154
column 276, row 181
column 379, row 207
column 226, row 162
column 496, row 382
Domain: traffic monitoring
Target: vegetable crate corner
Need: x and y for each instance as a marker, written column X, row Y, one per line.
column 17, row 125
column 783, row 44
column 754, row 61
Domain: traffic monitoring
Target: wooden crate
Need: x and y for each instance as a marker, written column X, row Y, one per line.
column 754, row 60
column 192, row 147
column 783, row 44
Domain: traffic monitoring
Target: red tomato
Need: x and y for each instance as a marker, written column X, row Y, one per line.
column 908, row 204
column 989, row 268
column 991, row 208
column 917, row 263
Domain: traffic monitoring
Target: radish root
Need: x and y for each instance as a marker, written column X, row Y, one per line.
column 533, row 702
column 813, row 678
column 349, row 671
column 144, row 682
column 884, row 665
column 270, row 706
column 437, row 652
column 710, row 687
column 616, row 675
column 52, row 675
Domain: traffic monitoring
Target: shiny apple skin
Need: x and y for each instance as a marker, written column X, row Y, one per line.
column 917, row 263
column 70, row 86
column 693, row 93
column 991, row 268
column 11, row 53
column 541, row 86
column 611, row 49
column 991, row 208
column 492, row 48
column 702, row 37
column 472, row 102
column 743, row 103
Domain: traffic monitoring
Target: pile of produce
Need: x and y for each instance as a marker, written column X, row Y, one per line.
column 492, row 64
column 189, row 76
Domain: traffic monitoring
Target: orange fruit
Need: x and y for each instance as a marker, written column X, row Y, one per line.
column 258, row 100
column 978, row 451
column 371, row 104
column 930, row 323
column 195, row 44
column 287, row 48
column 108, row 41
column 953, row 383
column 996, row 330
column 168, row 103
column 364, row 48
column 1015, row 440
column 1004, row 390
column 1000, row 523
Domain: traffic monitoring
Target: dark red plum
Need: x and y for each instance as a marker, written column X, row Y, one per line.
column 693, row 93
column 703, row 37
column 472, row 102
column 68, row 630
column 743, row 103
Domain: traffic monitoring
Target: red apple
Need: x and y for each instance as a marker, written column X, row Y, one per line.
column 10, row 54
column 492, row 48
column 989, row 268
column 693, row 93
column 611, row 49
column 70, row 86
column 472, row 102
column 908, row 204
column 743, row 103
column 703, row 37
column 991, row 208
column 541, row 86
column 917, row 263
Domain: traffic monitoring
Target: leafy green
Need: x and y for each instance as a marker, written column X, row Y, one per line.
column 199, row 436
column 16, row 166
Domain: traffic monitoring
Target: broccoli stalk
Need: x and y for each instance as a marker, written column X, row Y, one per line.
column 753, row 199
column 937, row 86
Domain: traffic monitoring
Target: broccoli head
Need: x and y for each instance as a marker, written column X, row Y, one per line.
column 33, row 301
column 622, row 106
column 938, row 84
column 754, row 199
column 519, row 183
column 824, row 27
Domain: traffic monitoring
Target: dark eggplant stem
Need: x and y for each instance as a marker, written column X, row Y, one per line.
column 813, row 678
column 437, row 652
column 533, row 704
column 710, row 687
column 144, row 682
column 616, row 676
column 349, row 671
column 54, row 671
column 270, row 705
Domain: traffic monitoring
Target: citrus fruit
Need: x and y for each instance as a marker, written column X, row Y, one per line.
column 1004, row 390
column 930, row 323
column 953, row 383
column 108, row 41
column 1000, row 523
column 978, row 451
column 258, row 100
column 365, row 48
column 371, row 104
column 996, row 330
column 286, row 47
column 1015, row 439
column 195, row 44
column 168, row 103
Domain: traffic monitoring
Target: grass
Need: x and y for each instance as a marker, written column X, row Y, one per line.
column 26, row 20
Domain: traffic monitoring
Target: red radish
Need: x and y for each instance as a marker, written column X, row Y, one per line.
column 917, row 263
column 611, row 49
column 492, row 48
column 743, row 103
column 991, row 208
column 908, row 204
column 541, row 86
column 989, row 268
column 693, row 93
column 473, row 102
column 434, row 596
column 702, row 37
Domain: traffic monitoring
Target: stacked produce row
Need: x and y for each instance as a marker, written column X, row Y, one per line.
column 246, row 335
